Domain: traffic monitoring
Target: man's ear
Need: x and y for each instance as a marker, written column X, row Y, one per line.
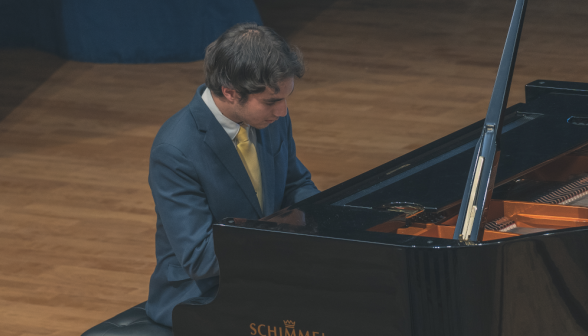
column 230, row 94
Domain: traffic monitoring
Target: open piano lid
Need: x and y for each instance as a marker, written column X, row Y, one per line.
column 425, row 187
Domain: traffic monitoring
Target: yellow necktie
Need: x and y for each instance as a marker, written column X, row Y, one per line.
column 248, row 155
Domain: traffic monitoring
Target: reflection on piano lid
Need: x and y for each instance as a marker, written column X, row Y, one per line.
column 376, row 255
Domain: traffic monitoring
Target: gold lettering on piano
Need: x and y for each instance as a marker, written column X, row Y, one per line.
column 259, row 330
column 270, row 331
column 289, row 330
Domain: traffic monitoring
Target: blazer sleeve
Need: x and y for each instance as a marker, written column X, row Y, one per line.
column 298, row 182
column 181, row 204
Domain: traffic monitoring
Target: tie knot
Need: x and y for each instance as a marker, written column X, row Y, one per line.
column 242, row 136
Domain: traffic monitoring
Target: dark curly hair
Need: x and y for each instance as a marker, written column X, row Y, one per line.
column 248, row 58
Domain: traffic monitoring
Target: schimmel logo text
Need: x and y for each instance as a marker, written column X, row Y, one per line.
column 288, row 330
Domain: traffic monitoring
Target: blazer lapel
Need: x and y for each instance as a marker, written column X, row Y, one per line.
column 266, row 165
column 219, row 142
column 223, row 147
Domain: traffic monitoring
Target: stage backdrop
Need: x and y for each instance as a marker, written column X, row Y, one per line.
column 121, row 31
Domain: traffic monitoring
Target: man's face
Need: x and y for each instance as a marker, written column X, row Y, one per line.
column 262, row 109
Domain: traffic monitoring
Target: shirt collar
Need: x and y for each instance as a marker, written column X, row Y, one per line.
column 231, row 127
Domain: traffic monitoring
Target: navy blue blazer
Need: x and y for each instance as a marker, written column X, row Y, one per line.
column 197, row 178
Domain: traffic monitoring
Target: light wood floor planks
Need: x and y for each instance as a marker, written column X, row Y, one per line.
column 384, row 77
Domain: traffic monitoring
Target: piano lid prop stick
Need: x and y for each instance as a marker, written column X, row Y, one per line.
column 472, row 208
column 469, row 226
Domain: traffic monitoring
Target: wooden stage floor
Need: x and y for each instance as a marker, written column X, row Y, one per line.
column 384, row 77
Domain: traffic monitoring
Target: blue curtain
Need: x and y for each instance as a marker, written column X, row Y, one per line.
column 121, row 31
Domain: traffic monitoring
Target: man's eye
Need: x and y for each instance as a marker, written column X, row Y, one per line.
column 270, row 103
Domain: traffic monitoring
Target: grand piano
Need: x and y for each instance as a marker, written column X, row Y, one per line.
column 436, row 242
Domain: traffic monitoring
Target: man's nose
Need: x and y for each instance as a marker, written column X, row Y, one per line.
column 281, row 110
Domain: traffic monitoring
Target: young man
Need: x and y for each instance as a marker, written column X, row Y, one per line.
column 229, row 153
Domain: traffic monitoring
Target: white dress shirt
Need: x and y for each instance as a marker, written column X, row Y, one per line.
column 231, row 127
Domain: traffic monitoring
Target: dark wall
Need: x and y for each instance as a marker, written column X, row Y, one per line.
column 114, row 31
